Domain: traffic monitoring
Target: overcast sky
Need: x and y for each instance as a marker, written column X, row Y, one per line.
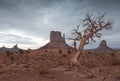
column 28, row 22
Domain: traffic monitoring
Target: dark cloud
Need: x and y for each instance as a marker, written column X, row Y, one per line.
column 36, row 18
column 104, row 3
column 14, row 39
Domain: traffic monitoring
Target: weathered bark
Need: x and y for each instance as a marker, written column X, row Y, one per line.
column 75, row 57
column 92, row 28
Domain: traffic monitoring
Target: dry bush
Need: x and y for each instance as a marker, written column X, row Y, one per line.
column 117, row 76
column 117, row 58
column 7, row 69
column 43, row 69
column 99, row 58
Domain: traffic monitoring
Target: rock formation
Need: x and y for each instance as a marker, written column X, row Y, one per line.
column 13, row 49
column 103, row 46
column 57, row 41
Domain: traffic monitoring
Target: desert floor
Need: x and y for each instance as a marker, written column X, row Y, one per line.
column 50, row 67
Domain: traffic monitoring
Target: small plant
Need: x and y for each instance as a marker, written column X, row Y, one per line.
column 8, row 53
column 60, row 51
column 89, row 52
column 69, row 52
column 90, row 76
column 27, row 51
column 118, row 76
column 116, row 63
column 12, row 58
column 43, row 72
column 26, row 66
column 21, row 51
column 112, row 54
column 46, row 50
column 64, row 55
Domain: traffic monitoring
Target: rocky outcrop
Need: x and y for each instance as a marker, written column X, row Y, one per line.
column 103, row 46
column 55, row 36
column 13, row 49
column 57, row 41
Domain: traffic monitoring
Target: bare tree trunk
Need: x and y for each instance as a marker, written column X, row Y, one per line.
column 75, row 57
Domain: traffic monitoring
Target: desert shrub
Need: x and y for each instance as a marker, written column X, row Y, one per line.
column 46, row 50
column 26, row 66
column 69, row 52
column 89, row 52
column 43, row 72
column 21, row 51
column 90, row 76
column 95, row 53
column 12, row 58
column 116, row 58
column 117, row 76
column 43, row 69
column 7, row 69
column 8, row 53
column 27, row 51
column 16, row 52
column 116, row 63
column 60, row 51
column 64, row 55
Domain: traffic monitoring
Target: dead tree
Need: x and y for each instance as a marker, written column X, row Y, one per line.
column 91, row 30
column 74, row 43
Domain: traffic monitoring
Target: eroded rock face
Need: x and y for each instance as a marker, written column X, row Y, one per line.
column 103, row 46
column 56, row 41
column 55, row 36
column 13, row 49
column 103, row 43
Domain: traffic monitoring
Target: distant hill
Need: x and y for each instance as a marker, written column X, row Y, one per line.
column 13, row 49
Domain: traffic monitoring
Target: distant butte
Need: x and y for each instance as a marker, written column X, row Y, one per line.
column 56, row 41
column 103, row 46
column 13, row 49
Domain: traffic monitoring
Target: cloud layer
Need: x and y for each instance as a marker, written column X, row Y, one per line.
column 29, row 22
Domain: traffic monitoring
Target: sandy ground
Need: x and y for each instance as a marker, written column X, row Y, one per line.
column 36, row 66
column 62, row 73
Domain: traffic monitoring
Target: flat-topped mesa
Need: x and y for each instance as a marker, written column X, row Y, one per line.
column 55, row 36
column 56, row 41
column 103, row 46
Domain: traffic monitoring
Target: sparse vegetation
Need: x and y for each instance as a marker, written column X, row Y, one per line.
column 43, row 63
column 46, row 50
column 12, row 58
column 8, row 53
column 21, row 51
column 69, row 52
column 117, row 76
column 60, row 51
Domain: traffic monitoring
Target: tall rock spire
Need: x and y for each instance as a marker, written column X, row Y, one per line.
column 103, row 46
